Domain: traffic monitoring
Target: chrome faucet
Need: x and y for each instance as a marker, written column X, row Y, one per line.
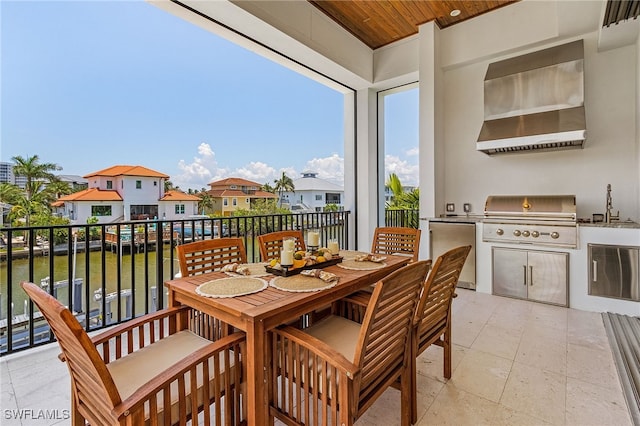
column 608, row 216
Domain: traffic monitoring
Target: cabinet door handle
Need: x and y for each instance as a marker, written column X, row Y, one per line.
column 594, row 270
column 530, row 275
column 524, row 274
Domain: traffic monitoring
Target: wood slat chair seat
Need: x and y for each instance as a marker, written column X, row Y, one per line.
column 432, row 323
column 142, row 372
column 397, row 240
column 211, row 255
column 271, row 244
column 333, row 371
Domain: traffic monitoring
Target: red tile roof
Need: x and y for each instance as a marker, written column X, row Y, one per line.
column 92, row 194
column 127, row 171
column 217, row 193
column 234, row 181
column 179, row 196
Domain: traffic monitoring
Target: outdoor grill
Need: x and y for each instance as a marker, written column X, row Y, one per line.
column 547, row 220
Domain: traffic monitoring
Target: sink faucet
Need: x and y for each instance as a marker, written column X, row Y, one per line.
column 609, row 216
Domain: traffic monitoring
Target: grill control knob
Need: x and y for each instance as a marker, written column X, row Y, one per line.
column 516, row 233
column 535, row 234
column 499, row 231
column 555, row 235
column 525, row 233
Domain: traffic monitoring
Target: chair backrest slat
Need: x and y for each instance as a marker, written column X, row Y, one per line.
column 433, row 311
column 383, row 346
column 397, row 240
column 271, row 244
column 87, row 369
column 211, row 255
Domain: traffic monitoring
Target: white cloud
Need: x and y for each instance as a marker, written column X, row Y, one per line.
column 407, row 172
column 256, row 171
column 413, row 152
column 329, row 168
column 199, row 173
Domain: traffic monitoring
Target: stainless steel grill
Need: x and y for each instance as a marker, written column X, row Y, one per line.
column 548, row 220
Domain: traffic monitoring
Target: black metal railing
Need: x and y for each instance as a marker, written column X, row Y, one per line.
column 404, row 218
column 110, row 273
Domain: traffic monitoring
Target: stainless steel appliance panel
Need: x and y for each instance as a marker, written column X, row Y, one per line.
column 548, row 277
column 510, row 272
column 445, row 236
column 614, row 271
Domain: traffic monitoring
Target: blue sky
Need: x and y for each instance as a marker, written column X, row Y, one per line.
column 91, row 84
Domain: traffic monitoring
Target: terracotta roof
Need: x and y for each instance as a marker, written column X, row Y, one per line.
column 235, row 181
column 92, row 194
column 179, row 196
column 217, row 193
column 57, row 203
column 127, row 171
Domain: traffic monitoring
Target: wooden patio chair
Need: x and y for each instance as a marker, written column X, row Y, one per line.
column 333, row 371
column 397, row 240
column 271, row 244
column 142, row 372
column 432, row 323
column 211, row 255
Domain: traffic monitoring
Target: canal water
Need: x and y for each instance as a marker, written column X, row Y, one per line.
column 137, row 271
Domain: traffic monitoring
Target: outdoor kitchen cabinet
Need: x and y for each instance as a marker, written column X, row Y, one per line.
column 536, row 275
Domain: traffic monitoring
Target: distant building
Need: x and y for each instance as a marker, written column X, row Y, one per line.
column 231, row 194
column 7, row 175
column 388, row 194
column 124, row 193
column 313, row 193
column 77, row 183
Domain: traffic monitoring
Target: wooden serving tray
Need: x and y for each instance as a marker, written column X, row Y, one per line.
column 289, row 272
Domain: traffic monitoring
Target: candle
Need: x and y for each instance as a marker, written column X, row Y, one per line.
column 333, row 247
column 286, row 257
column 288, row 244
column 314, row 238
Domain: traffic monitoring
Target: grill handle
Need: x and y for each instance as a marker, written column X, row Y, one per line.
column 531, row 275
column 594, row 270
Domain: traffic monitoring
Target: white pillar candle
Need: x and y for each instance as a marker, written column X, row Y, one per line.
column 288, row 244
column 286, row 257
column 314, row 238
column 333, row 247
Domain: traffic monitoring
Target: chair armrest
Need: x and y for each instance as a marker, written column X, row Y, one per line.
column 318, row 348
column 233, row 344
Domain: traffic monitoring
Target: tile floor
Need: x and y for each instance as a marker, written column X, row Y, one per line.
column 514, row 363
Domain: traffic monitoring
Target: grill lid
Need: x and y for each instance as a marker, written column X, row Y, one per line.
column 527, row 207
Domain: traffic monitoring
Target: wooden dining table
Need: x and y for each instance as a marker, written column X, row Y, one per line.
column 257, row 313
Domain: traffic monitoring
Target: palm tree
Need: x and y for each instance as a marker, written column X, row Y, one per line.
column 205, row 204
column 268, row 188
column 35, row 173
column 282, row 185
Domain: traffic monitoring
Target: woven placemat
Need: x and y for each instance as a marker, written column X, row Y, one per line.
column 351, row 254
column 255, row 270
column 361, row 266
column 231, row 287
column 301, row 283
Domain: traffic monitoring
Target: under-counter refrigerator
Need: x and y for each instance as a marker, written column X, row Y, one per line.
column 445, row 236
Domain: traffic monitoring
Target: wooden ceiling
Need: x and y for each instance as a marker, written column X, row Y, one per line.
column 380, row 22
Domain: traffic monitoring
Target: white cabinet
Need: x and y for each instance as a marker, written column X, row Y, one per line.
column 531, row 274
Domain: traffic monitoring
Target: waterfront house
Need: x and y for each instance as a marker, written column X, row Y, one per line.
column 312, row 192
column 231, row 194
column 120, row 193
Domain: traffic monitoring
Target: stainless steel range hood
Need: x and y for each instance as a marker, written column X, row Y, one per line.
column 535, row 102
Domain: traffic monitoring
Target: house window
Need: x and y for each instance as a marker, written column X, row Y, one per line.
column 109, row 184
column 247, row 200
column 100, row 210
column 179, row 208
column 318, row 197
column 155, row 183
column 225, row 202
column 234, row 202
column 138, row 184
column 233, row 187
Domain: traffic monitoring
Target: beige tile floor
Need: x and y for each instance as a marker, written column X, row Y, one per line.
column 514, row 363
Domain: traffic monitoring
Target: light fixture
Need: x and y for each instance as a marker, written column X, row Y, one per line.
column 454, row 12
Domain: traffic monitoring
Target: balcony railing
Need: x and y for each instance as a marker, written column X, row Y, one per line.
column 117, row 271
